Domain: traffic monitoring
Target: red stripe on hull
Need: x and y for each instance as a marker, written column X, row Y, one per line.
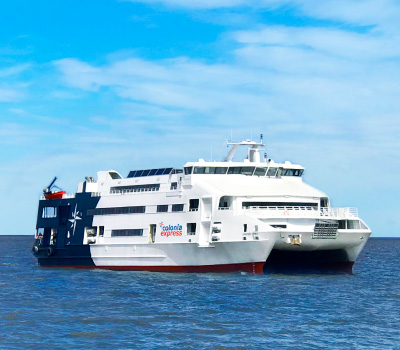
column 256, row 268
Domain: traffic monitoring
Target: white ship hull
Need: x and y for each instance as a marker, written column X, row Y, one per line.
column 247, row 256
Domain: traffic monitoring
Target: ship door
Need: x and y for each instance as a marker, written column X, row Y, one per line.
column 152, row 233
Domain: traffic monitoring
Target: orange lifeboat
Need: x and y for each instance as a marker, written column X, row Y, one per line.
column 54, row 195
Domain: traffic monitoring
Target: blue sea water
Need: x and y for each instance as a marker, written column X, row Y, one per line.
column 53, row 308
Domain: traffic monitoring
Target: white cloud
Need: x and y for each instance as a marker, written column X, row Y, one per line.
column 14, row 70
column 10, row 95
column 330, row 42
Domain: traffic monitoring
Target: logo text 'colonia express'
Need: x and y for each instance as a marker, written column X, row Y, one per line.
column 169, row 230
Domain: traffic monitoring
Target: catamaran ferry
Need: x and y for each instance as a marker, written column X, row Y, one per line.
column 207, row 217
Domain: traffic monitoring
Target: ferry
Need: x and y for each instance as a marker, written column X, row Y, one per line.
column 255, row 215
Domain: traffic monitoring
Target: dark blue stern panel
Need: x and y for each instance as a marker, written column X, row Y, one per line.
column 60, row 226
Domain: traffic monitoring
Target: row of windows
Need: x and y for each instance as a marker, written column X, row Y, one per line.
column 135, row 188
column 117, row 210
column 279, row 204
column 127, row 232
column 133, row 210
column 154, row 172
column 245, row 170
column 190, row 231
column 164, row 208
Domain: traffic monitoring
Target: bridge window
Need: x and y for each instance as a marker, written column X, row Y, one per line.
column 260, row 171
column 272, row 171
column 292, row 172
column 247, row 170
column 221, row 170
column 188, row 170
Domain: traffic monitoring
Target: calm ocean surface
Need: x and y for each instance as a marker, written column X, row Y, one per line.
column 47, row 308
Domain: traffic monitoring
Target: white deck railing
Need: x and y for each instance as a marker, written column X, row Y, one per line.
column 300, row 212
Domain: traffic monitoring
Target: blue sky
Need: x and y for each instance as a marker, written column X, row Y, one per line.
column 96, row 85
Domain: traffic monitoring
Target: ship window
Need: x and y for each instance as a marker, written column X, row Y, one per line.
column 279, row 226
column 353, row 224
column 221, row 170
column 199, row 170
column 118, row 210
column 162, row 208
column 279, row 172
column 244, row 227
column 234, row 170
column 225, row 203
column 145, row 172
column 152, row 172
column 177, row 207
column 114, row 175
column 292, row 172
column 260, row 171
column 174, row 185
column 342, row 224
column 193, row 204
column 247, row 170
column 209, row 170
column 188, row 170
column 363, row 226
column 101, row 231
column 127, row 232
column 191, row 228
column 49, row 212
column 271, row 171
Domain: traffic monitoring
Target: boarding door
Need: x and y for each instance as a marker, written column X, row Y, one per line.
column 152, row 233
